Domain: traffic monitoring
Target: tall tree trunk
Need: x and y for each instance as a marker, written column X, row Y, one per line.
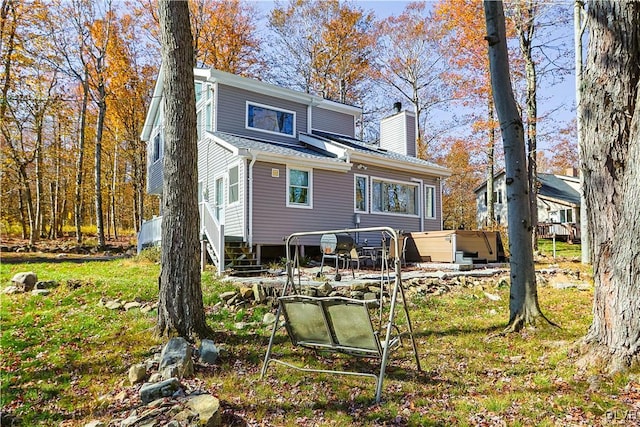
column 23, row 218
column 114, row 182
column 39, row 214
column 28, row 201
column 525, row 26
column 180, row 307
column 77, row 208
column 491, row 209
column 523, row 304
column 579, row 25
column 102, row 110
column 611, row 153
column 55, row 185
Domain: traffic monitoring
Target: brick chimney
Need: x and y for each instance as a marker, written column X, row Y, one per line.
column 398, row 132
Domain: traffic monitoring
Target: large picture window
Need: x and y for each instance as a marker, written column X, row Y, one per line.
column 233, row 185
column 361, row 193
column 394, row 197
column 299, row 184
column 270, row 119
column 429, row 201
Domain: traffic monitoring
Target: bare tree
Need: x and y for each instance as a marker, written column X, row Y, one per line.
column 523, row 304
column 180, row 307
column 610, row 150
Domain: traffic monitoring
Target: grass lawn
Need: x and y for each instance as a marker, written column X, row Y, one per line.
column 60, row 353
column 563, row 249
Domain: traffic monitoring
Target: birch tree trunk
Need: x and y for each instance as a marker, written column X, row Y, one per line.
column 523, row 305
column 77, row 207
column 180, row 307
column 491, row 207
column 610, row 152
column 525, row 27
column 579, row 25
column 97, row 170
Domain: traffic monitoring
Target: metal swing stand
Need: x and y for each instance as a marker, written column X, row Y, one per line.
column 338, row 323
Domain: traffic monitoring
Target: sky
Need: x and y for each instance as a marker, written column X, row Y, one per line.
column 557, row 101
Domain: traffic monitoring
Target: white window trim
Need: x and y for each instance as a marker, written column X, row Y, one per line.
column 228, row 184
column 225, row 202
column 157, row 133
column 427, row 215
column 367, row 194
column 403, row 215
column 310, row 192
column 255, row 104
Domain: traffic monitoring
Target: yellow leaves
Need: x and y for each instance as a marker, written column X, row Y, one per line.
column 224, row 35
column 328, row 43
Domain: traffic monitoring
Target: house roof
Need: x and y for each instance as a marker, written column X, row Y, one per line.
column 293, row 152
column 325, row 150
column 369, row 153
column 555, row 188
column 551, row 187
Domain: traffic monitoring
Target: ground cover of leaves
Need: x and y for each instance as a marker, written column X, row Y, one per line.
column 64, row 359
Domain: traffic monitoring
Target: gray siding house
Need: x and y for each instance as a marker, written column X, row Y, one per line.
column 273, row 161
column 558, row 204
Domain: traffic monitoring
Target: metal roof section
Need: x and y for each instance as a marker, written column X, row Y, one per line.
column 375, row 155
column 281, row 152
column 555, row 188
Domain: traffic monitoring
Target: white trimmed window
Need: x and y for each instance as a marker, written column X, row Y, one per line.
column 299, row 188
column 429, row 201
column 270, row 119
column 234, row 185
column 204, row 108
column 157, row 147
column 361, row 193
column 394, row 197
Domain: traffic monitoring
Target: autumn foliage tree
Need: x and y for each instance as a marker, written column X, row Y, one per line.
column 325, row 48
column 463, row 19
column 225, row 35
column 412, row 64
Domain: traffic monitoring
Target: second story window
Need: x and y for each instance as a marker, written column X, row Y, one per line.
column 270, row 119
column 157, row 146
column 204, row 108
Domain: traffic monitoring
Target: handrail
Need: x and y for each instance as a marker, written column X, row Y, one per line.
column 214, row 232
column 150, row 232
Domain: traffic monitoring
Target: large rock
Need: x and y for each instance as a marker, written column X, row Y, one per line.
column 208, row 409
column 152, row 391
column 25, row 281
column 208, row 351
column 177, row 353
column 137, row 373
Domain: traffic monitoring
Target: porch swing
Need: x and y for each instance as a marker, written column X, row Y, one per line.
column 341, row 324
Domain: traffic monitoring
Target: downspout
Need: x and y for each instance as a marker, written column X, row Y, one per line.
column 421, row 201
column 250, row 194
column 440, row 198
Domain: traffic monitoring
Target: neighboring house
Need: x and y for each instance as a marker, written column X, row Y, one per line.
column 273, row 161
column 558, row 204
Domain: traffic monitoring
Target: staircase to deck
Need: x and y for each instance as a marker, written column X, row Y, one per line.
column 240, row 261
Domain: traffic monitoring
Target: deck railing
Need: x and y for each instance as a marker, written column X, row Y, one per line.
column 211, row 229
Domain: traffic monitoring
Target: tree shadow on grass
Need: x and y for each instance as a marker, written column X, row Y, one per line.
column 459, row 331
